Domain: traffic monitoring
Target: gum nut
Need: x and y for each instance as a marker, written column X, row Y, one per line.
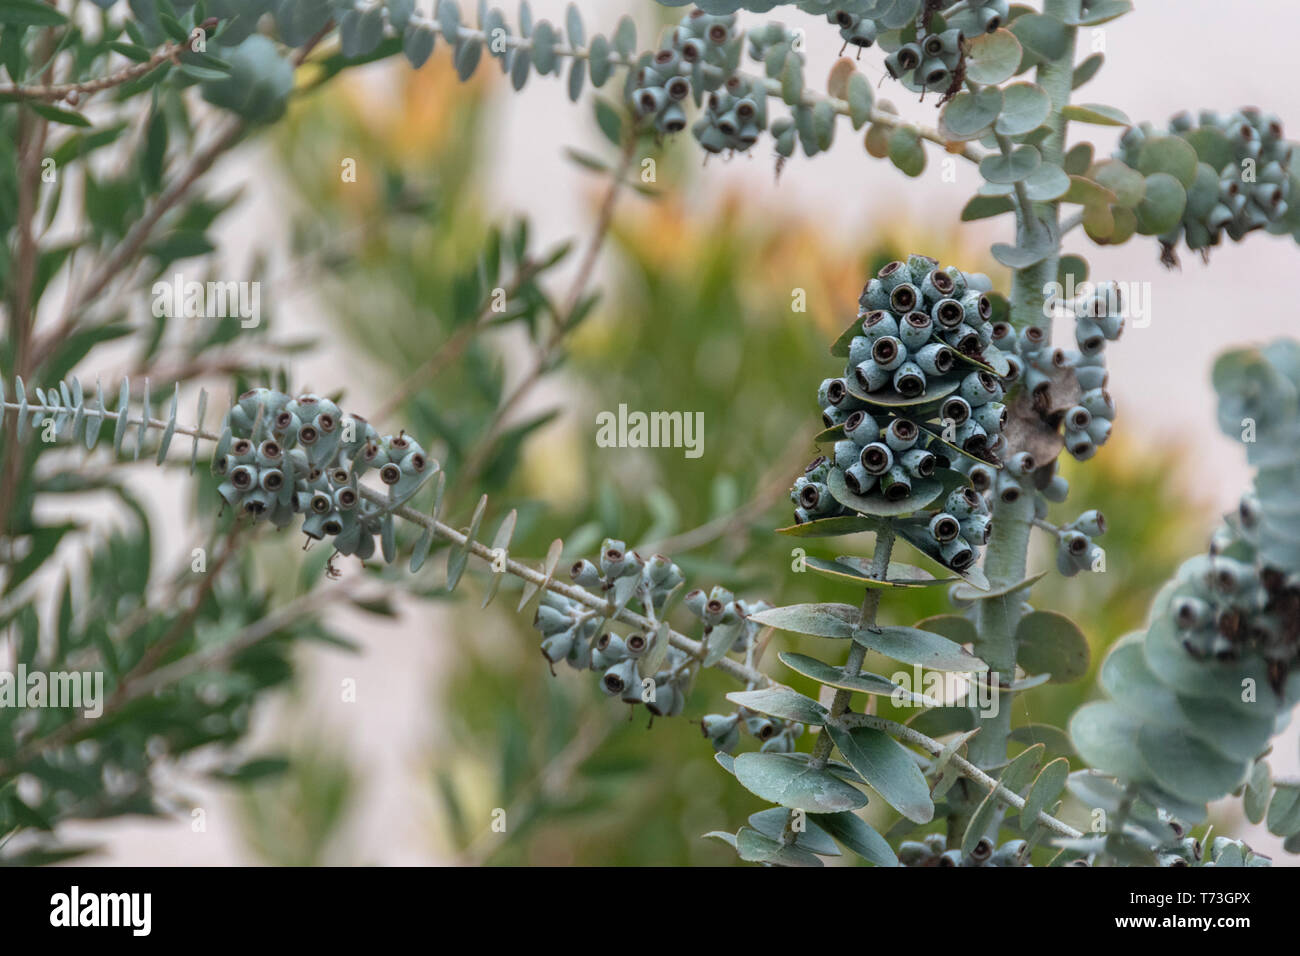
column 1006, row 488
column 957, row 554
column 980, row 387
column 585, row 574
column 1099, row 430
column 1089, row 337
column 718, row 725
column 613, row 558
column 1040, row 507
column 977, row 528
column 1021, row 463
column 937, row 284
column 1080, row 445
column 963, row 503
column 981, row 477
column 1091, row 523
column 846, row 454
column 919, row 462
column 909, row 380
column 971, row 437
column 621, row 678
column 761, row 728
column 556, row 647
column 832, row 416
column 955, row 409
column 1098, row 402
column 859, row 349
column 1091, row 377
column 944, row 527
column 1032, row 340
column 548, row 620
column 912, row 853
column 875, row 296
column 870, row 376
column 919, row 266
column 991, row 416
column 695, row 602
column 876, row 457
column 607, row 650
column 977, row 308
column 935, row 359
column 904, row 297
column 963, row 339
column 894, row 274
column 901, row 434
column 915, row 330
column 858, row 480
column 878, row 325
column 896, row 484
column 948, row 313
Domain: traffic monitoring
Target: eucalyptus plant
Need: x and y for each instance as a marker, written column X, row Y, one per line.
column 941, row 425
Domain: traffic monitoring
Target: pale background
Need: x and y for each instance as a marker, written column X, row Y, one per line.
column 1168, row 55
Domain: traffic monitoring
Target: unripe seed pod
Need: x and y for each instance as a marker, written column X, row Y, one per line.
column 944, row 527
column 877, row 458
column 1012, row 853
column 846, row 454
column 971, row 437
column 877, row 325
column 935, row 359
column 1091, row 377
column 871, row 377
column 816, row 499
column 977, row 308
column 934, row 73
column 937, row 285
column 981, row 477
column 1080, row 445
column 896, row 484
column 904, row 298
column 1021, row 464
column 858, row 479
column 888, row 352
column 963, row 503
column 919, row 266
column 903, row 60
column 901, row 434
column 557, row 647
column 980, row 387
column 894, row 274
column 549, row 621
column 621, row 677
column 607, row 650
column 1091, row 523
column 861, row 428
column 909, row 380
column 912, row 853
column 859, row 349
column 914, row 331
column 918, row 462
column 585, row 574
column 991, row 416
column 832, row 416
column 977, row 528
column 1099, row 430
column 695, row 602
column 949, row 314
column 963, row 338
column 1007, row 488
column 875, row 296
column 955, row 409
column 957, row 554
column 1057, row 489
column 614, row 560
column 1032, row 341
column 1099, row 403
column 1231, row 577
column 1089, row 337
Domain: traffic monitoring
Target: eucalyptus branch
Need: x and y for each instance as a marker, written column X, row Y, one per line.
column 73, row 92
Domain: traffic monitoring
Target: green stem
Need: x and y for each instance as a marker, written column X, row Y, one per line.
column 857, row 653
column 1006, row 558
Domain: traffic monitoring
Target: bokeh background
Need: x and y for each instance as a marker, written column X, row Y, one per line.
column 455, row 713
